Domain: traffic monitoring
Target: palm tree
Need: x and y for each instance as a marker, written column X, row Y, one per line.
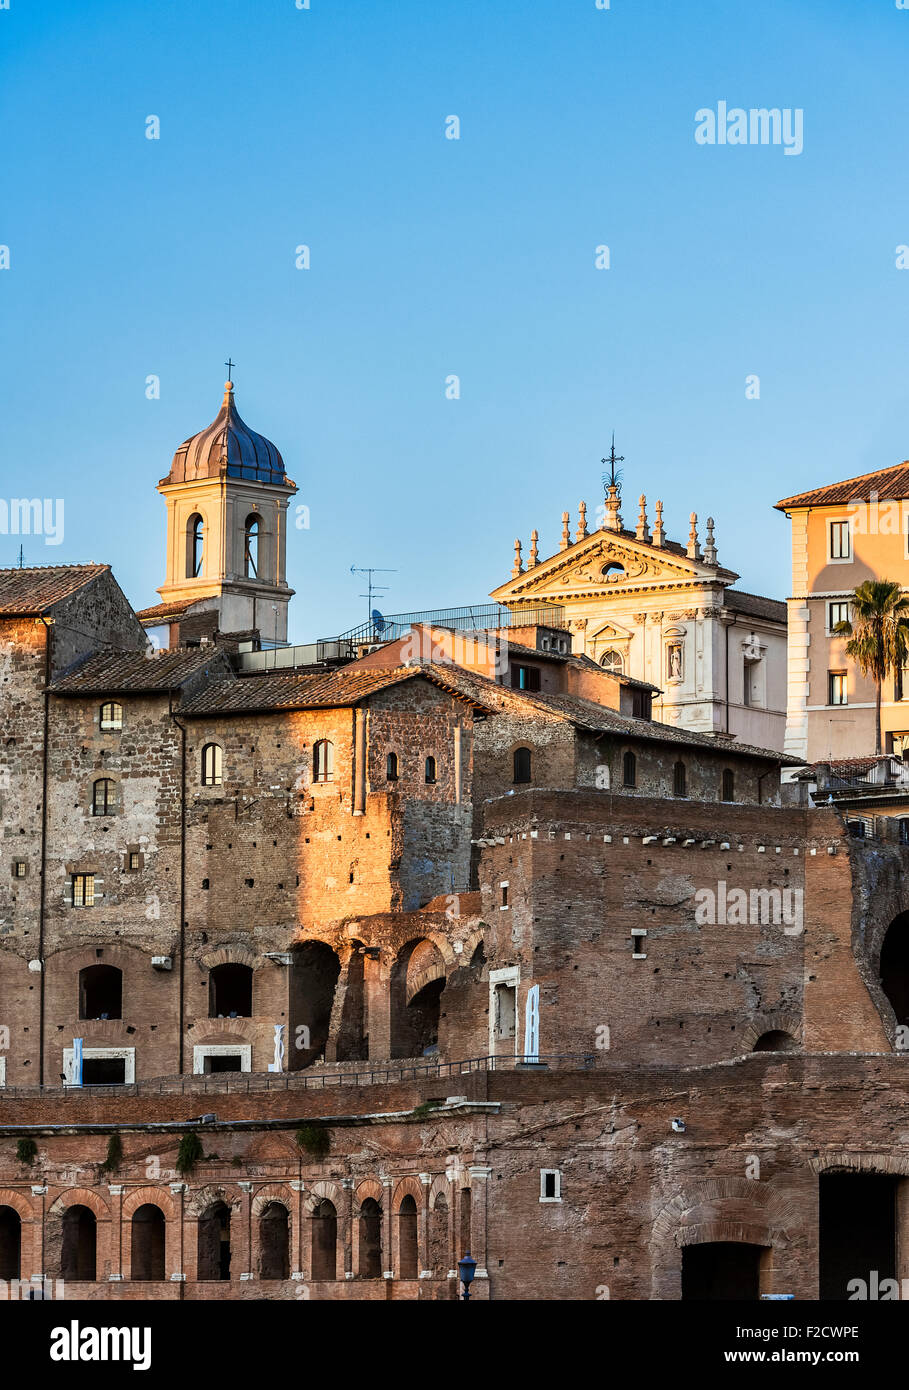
column 878, row 634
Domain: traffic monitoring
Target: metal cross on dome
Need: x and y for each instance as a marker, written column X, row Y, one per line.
column 230, row 366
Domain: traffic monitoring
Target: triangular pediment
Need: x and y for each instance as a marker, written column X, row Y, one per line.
column 606, row 562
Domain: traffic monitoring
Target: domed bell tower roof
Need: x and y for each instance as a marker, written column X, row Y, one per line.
column 228, row 448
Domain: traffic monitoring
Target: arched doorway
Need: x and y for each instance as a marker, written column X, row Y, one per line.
column 313, row 976
column 417, row 982
column 10, row 1243
column 370, row 1239
column 214, row 1242
column 325, row 1241
column 856, row 1230
column 274, row 1242
column 894, row 967
column 147, row 1247
column 407, row 1238
column 719, row 1270
column 78, row 1253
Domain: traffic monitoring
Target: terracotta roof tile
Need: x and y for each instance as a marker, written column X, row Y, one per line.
column 755, row 605
column 138, row 673
column 890, row 484
column 36, row 589
column 326, row 690
column 175, row 609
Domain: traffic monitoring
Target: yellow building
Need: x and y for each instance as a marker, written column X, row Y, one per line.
column 842, row 534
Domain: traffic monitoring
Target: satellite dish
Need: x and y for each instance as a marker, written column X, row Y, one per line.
column 378, row 621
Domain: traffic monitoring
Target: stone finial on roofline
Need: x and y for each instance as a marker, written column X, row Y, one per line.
column 710, row 544
column 694, row 550
column 534, row 550
column 643, row 530
column 582, row 522
column 518, row 567
column 566, row 532
column 659, row 535
column 613, row 517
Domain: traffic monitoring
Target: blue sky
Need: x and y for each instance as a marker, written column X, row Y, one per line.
column 430, row 257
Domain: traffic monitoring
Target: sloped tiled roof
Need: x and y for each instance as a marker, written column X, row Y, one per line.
column 136, row 672
column 890, row 484
column 755, row 605
column 326, row 690
column 598, row 719
column 35, row 589
column 160, row 612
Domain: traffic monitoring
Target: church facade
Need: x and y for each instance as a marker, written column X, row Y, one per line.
column 638, row 602
column 315, row 981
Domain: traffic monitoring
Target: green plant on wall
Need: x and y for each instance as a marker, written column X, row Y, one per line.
column 189, row 1152
column 314, row 1140
column 114, row 1156
column 26, row 1150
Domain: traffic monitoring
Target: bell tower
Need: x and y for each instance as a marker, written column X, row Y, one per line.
column 227, row 496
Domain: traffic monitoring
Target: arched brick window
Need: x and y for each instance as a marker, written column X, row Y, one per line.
column 325, row 1241
column 212, row 765
column 147, row 1243
column 407, row 1237
column 391, row 768
column 370, row 1224
column 629, row 770
column 728, row 784
column 679, row 779
column 274, row 1242
column 522, row 765
column 323, row 761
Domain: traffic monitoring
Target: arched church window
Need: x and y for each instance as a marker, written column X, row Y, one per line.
column 728, row 784
column 612, row 661
column 323, row 761
column 195, row 532
column 251, row 547
column 629, row 770
column 391, row 768
column 211, row 765
column 679, row 779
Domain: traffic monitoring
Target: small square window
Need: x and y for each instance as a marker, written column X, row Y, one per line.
column 550, row 1185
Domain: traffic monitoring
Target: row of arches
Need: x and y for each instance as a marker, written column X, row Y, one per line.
column 384, row 1239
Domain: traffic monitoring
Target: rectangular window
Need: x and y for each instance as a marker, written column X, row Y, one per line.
column 525, row 677
column 840, row 541
column 550, row 1185
column 134, row 859
column 83, row 890
column 904, row 830
column 836, row 693
column 20, row 868
column 642, row 704
column 837, row 613
column 504, row 890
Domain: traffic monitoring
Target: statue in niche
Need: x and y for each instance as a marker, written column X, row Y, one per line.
column 674, row 661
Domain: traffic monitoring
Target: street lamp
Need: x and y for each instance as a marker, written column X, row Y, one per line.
column 466, row 1268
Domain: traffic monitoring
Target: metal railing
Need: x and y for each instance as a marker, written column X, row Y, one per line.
column 317, row 1079
column 478, row 618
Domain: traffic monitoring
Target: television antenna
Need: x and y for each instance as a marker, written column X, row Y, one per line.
column 371, row 588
